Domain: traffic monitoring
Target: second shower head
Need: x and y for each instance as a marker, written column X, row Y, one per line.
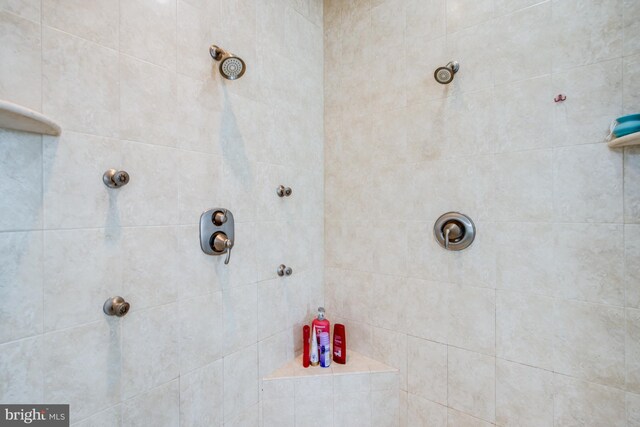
column 444, row 75
column 231, row 67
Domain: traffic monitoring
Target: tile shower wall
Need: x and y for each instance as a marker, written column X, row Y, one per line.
column 133, row 86
column 538, row 322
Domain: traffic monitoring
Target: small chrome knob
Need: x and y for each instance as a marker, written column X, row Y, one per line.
column 219, row 217
column 283, row 191
column 116, row 306
column 284, row 270
column 115, row 178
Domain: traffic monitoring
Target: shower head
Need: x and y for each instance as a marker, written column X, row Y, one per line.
column 444, row 75
column 231, row 67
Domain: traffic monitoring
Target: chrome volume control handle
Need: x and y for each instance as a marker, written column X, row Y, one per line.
column 220, row 244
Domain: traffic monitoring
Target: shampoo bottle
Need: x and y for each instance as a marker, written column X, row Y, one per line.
column 339, row 344
column 325, row 350
column 306, row 338
column 320, row 324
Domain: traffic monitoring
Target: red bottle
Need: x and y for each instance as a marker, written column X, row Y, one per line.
column 320, row 325
column 339, row 344
column 306, row 337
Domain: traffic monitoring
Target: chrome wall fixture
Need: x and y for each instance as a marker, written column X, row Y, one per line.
column 454, row 231
column 116, row 306
column 114, row 178
column 444, row 75
column 283, row 191
column 231, row 66
column 217, row 232
column 284, row 270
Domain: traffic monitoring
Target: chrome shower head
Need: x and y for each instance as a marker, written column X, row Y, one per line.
column 444, row 75
column 231, row 67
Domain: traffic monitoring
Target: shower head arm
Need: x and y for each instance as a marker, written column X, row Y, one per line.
column 216, row 52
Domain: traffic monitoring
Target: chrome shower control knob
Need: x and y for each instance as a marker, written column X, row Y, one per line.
column 219, row 217
column 220, row 244
column 454, row 231
column 281, row 270
column 283, row 191
column 115, row 178
column 116, row 306
column 288, row 271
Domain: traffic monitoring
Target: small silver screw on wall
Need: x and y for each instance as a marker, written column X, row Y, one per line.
column 114, row 178
column 116, row 306
column 283, row 269
column 283, row 191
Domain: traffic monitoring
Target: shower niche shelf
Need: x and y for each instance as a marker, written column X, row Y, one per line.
column 625, row 141
column 17, row 117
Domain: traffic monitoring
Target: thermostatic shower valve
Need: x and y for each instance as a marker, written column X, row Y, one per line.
column 454, row 231
column 217, row 232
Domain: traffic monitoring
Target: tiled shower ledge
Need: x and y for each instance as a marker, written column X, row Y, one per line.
column 362, row 392
column 356, row 364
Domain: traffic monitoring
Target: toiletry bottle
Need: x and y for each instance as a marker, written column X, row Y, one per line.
column 306, row 338
column 325, row 350
column 314, row 356
column 339, row 344
column 320, row 324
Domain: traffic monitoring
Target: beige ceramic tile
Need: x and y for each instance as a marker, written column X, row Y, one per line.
column 148, row 31
column 465, row 13
column 524, row 328
column 201, row 396
column 632, row 351
column 23, row 382
column 631, row 191
column 21, row 283
column 81, row 372
column 422, row 412
column 201, row 337
column 147, row 103
column 427, row 369
column 80, row 84
column 524, row 186
column 240, row 317
column 74, row 193
column 588, row 264
column 586, row 32
column 240, row 381
column 590, row 342
column 83, row 266
column 95, row 21
column 632, row 266
column 149, row 360
column 471, row 319
column 579, row 403
column 587, row 184
column 471, row 383
column 28, row 9
column 631, row 87
column 147, row 278
column 20, row 77
column 159, row 406
column 633, row 410
column 524, row 395
column 594, row 99
column 524, row 42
